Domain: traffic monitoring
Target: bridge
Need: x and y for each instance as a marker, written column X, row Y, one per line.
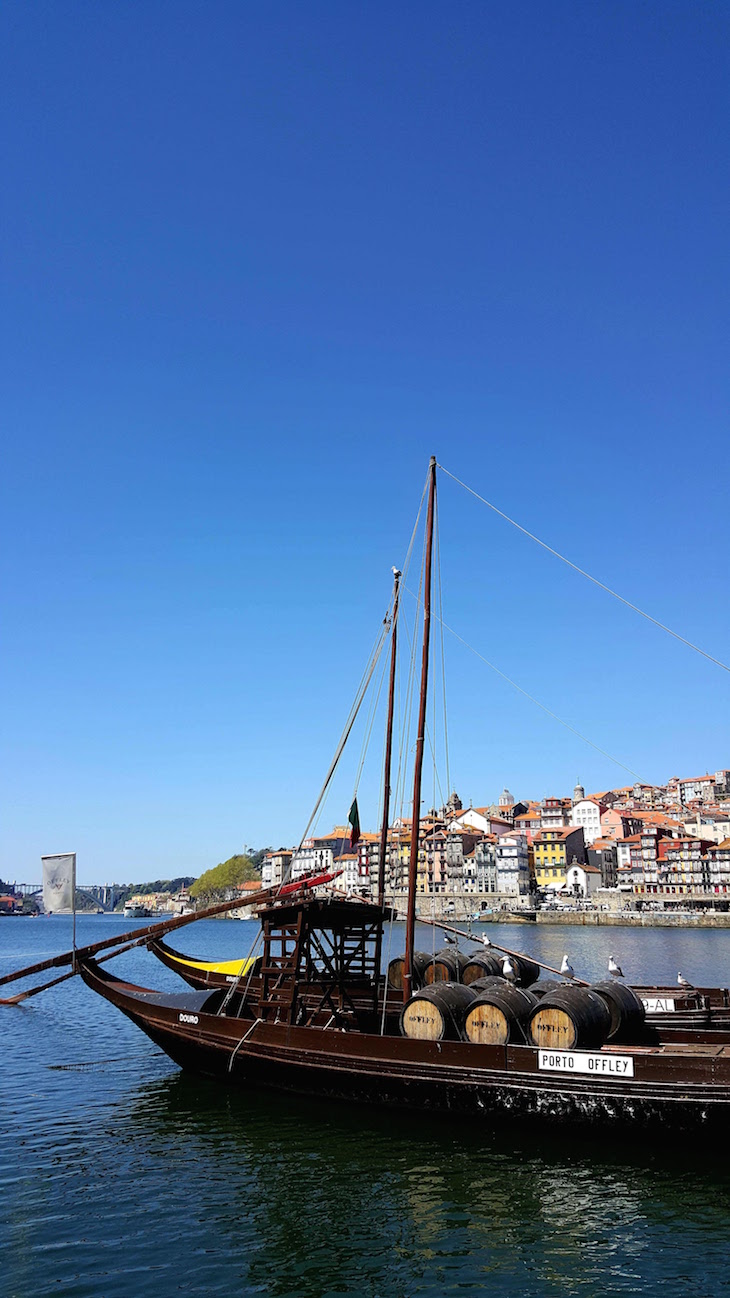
column 104, row 894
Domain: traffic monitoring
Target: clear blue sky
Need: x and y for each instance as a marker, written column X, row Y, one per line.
column 259, row 262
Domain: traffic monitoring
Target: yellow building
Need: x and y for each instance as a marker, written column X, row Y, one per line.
column 554, row 850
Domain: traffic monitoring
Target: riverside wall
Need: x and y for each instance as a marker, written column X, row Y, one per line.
column 461, row 909
column 633, row 919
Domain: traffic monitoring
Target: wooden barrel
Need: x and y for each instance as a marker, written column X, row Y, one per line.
column 482, row 965
column 626, row 1010
column 395, row 970
column 436, row 1013
column 498, row 1015
column 526, row 971
column 568, row 1019
column 445, row 967
column 486, row 984
column 550, row 985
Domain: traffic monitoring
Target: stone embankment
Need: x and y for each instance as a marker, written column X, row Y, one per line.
column 461, row 912
column 633, row 919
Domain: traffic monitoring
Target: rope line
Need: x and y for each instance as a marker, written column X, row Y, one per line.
column 532, row 699
column 583, row 573
column 362, row 691
column 369, row 726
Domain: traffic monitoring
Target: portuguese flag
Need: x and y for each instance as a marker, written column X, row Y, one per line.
column 354, row 820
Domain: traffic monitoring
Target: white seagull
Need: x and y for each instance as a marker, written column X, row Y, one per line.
column 683, row 982
column 485, row 940
column 508, row 969
column 566, row 968
column 614, row 968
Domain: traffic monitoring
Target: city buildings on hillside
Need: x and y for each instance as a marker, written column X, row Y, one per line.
column 700, row 788
column 275, row 867
column 663, row 843
column 316, row 855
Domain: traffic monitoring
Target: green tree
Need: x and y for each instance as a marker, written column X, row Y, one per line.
column 229, row 874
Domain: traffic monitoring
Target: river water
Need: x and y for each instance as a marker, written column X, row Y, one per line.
column 121, row 1176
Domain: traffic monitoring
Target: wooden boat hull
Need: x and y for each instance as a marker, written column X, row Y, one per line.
column 683, row 1087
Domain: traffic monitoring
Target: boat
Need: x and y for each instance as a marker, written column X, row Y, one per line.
column 700, row 1007
column 700, row 1015
column 137, row 912
column 203, row 973
column 317, row 1017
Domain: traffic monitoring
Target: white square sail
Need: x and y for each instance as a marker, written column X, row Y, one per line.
column 59, row 881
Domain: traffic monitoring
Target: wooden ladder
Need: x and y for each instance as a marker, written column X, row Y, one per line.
column 280, row 973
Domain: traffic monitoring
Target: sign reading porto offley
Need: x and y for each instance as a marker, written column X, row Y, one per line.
column 569, row 1061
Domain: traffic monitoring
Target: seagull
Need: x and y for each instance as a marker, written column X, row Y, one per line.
column 566, row 968
column 484, row 940
column 614, row 968
column 508, row 970
column 449, row 938
column 683, row 982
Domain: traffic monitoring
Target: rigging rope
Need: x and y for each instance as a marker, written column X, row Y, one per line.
column 431, row 741
column 371, row 716
column 362, row 690
column 532, row 699
column 367, row 677
column 583, row 573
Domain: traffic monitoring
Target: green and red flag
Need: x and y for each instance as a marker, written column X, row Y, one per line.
column 354, row 820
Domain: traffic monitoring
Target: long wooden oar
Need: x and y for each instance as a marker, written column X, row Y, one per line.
column 519, row 955
column 33, row 991
column 167, row 926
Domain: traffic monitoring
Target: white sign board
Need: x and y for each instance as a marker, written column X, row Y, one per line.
column 59, row 881
column 573, row 1061
column 658, row 1004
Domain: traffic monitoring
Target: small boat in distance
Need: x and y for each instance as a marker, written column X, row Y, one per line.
column 137, row 912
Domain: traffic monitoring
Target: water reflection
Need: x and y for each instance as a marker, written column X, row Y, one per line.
column 314, row 1202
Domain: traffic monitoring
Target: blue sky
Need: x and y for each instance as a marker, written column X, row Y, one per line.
column 259, row 262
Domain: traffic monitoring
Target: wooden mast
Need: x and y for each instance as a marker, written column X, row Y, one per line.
column 386, row 779
column 416, row 811
column 388, row 742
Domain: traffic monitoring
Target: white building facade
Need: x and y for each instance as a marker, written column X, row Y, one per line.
column 587, row 813
column 583, row 880
column 513, row 866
